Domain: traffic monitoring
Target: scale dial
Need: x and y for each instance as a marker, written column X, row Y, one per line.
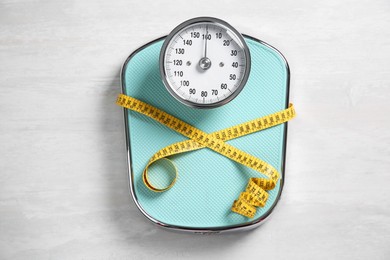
column 204, row 62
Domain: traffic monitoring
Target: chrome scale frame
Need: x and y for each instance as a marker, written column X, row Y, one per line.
column 207, row 230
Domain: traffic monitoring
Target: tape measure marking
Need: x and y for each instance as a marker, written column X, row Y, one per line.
column 255, row 193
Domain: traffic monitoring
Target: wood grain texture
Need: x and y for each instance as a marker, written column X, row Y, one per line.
column 63, row 187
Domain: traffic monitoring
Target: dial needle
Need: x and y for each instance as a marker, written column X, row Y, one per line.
column 205, row 63
column 205, row 42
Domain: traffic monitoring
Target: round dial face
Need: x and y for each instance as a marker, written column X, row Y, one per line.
column 204, row 62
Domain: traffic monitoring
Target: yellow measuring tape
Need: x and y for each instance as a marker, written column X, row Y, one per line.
column 255, row 194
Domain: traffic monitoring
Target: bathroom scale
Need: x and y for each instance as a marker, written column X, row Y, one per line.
column 205, row 112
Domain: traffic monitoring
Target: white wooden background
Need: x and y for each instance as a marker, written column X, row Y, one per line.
column 63, row 187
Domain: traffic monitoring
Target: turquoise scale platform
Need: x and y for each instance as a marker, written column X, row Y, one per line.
column 207, row 183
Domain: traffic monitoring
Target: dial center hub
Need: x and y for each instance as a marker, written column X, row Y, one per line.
column 205, row 63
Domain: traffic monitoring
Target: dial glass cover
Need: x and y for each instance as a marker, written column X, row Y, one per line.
column 204, row 62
